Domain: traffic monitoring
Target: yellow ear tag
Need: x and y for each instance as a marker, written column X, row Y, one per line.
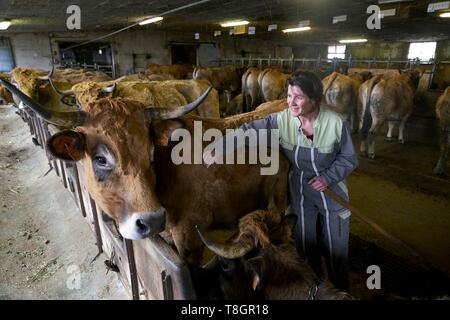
column 255, row 282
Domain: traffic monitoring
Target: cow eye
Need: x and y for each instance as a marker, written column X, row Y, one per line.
column 100, row 161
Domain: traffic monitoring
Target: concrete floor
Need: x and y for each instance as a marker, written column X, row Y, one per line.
column 46, row 247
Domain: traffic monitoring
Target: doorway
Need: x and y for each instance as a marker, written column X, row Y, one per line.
column 184, row 54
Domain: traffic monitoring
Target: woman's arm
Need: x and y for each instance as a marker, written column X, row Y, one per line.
column 346, row 160
column 251, row 134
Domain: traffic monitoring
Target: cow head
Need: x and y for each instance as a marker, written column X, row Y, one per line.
column 114, row 140
column 243, row 265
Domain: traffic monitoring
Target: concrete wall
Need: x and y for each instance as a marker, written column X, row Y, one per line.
column 378, row 49
column 31, row 50
column 443, row 50
column 133, row 47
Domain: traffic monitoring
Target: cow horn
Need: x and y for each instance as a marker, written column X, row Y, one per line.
column 65, row 119
column 228, row 251
column 166, row 114
column 62, row 93
column 49, row 79
column 108, row 89
column 48, row 76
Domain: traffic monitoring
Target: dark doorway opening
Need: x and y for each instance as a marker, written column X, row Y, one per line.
column 184, row 54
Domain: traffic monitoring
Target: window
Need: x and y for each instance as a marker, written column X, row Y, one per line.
column 336, row 52
column 6, row 56
column 422, row 50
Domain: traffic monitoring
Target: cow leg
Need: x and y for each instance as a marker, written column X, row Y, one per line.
column 376, row 123
column 391, row 125
column 445, row 143
column 352, row 120
column 362, row 148
column 401, row 129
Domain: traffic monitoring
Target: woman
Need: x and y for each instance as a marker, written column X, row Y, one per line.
column 318, row 144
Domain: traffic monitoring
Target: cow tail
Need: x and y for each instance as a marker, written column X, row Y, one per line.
column 244, row 89
column 367, row 117
column 260, row 80
column 330, row 82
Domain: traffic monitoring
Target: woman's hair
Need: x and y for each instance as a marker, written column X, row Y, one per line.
column 309, row 83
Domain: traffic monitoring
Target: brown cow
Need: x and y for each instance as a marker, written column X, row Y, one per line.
column 262, row 262
column 224, row 79
column 272, row 84
column 5, row 95
column 385, row 98
column 236, row 105
column 126, row 152
column 341, row 93
column 34, row 83
column 250, row 89
column 441, row 78
column 174, row 93
column 178, row 71
column 443, row 114
column 145, row 77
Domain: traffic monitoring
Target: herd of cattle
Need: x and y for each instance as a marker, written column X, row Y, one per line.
column 121, row 130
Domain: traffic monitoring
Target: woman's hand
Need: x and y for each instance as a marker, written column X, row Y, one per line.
column 318, row 183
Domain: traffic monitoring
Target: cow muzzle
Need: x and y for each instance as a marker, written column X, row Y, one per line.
column 143, row 224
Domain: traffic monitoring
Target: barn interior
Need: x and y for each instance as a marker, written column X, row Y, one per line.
column 398, row 189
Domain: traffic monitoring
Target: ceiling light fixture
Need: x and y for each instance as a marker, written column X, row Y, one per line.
column 234, row 23
column 392, row 1
column 151, row 20
column 296, row 29
column 352, row 40
column 5, row 24
column 445, row 15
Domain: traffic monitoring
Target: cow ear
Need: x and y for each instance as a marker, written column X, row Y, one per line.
column 67, row 145
column 162, row 131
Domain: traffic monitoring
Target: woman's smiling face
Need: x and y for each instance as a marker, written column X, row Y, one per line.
column 299, row 103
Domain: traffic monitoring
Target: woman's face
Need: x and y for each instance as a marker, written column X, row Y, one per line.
column 299, row 103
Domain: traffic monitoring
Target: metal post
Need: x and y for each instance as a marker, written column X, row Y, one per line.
column 292, row 63
column 433, row 72
column 319, row 61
